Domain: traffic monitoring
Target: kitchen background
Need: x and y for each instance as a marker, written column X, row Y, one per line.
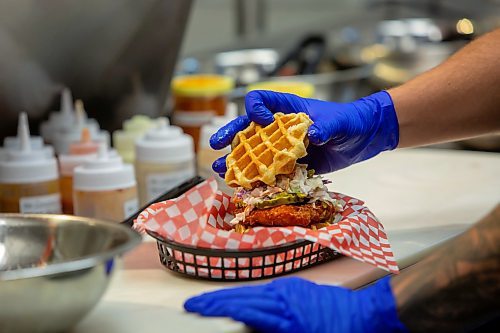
column 103, row 49
column 348, row 26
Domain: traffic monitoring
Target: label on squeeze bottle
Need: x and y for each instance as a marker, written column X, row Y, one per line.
column 43, row 204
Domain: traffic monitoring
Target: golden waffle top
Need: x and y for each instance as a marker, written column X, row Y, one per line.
column 260, row 153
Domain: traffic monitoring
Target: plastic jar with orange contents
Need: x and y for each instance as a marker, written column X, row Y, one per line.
column 198, row 98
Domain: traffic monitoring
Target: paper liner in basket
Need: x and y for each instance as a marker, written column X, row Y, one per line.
column 199, row 218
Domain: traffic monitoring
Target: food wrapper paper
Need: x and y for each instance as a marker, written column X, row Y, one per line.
column 200, row 218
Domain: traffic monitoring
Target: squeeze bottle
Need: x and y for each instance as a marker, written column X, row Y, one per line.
column 105, row 188
column 29, row 179
column 164, row 159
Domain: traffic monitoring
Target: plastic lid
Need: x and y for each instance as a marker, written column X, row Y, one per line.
column 209, row 129
column 106, row 172
column 138, row 123
column 13, row 142
column 202, row 85
column 26, row 165
column 36, row 143
column 302, row 89
column 164, row 144
column 85, row 146
column 59, row 120
column 68, row 163
column 133, row 128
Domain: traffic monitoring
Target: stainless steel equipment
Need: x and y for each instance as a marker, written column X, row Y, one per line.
column 246, row 66
column 55, row 268
column 414, row 46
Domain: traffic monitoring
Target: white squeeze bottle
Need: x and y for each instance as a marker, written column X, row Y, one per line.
column 29, row 179
column 105, row 188
column 206, row 155
column 164, row 159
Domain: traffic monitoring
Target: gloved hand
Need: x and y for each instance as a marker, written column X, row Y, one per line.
column 294, row 305
column 342, row 133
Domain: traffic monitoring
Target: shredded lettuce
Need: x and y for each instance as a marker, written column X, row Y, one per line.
column 301, row 182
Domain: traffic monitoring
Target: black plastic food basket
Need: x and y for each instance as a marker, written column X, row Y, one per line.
column 241, row 265
column 233, row 265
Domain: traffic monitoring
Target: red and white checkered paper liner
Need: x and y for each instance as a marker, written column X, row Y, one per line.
column 199, row 218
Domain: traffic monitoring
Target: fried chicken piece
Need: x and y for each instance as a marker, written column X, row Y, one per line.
column 289, row 215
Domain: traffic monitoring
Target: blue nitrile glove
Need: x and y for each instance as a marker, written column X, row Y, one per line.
column 342, row 133
column 294, row 305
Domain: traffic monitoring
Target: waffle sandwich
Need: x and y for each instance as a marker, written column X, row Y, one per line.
column 271, row 188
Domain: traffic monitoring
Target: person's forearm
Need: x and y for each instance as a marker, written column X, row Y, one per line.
column 457, row 286
column 458, row 99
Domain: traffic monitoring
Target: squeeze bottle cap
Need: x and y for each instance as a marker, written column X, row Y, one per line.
column 163, row 131
column 59, row 120
column 164, row 144
column 85, row 146
column 13, row 143
column 133, row 128
column 27, row 165
column 138, row 123
column 106, row 172
column 68, row 163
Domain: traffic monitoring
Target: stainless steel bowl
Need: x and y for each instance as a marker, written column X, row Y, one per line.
column 55, row 268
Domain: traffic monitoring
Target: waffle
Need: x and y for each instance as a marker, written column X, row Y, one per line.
column 260, row 153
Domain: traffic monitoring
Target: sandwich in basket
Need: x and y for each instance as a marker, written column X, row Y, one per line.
column 271, row 188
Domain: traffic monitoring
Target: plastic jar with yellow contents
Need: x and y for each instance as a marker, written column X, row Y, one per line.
column 198, row 98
